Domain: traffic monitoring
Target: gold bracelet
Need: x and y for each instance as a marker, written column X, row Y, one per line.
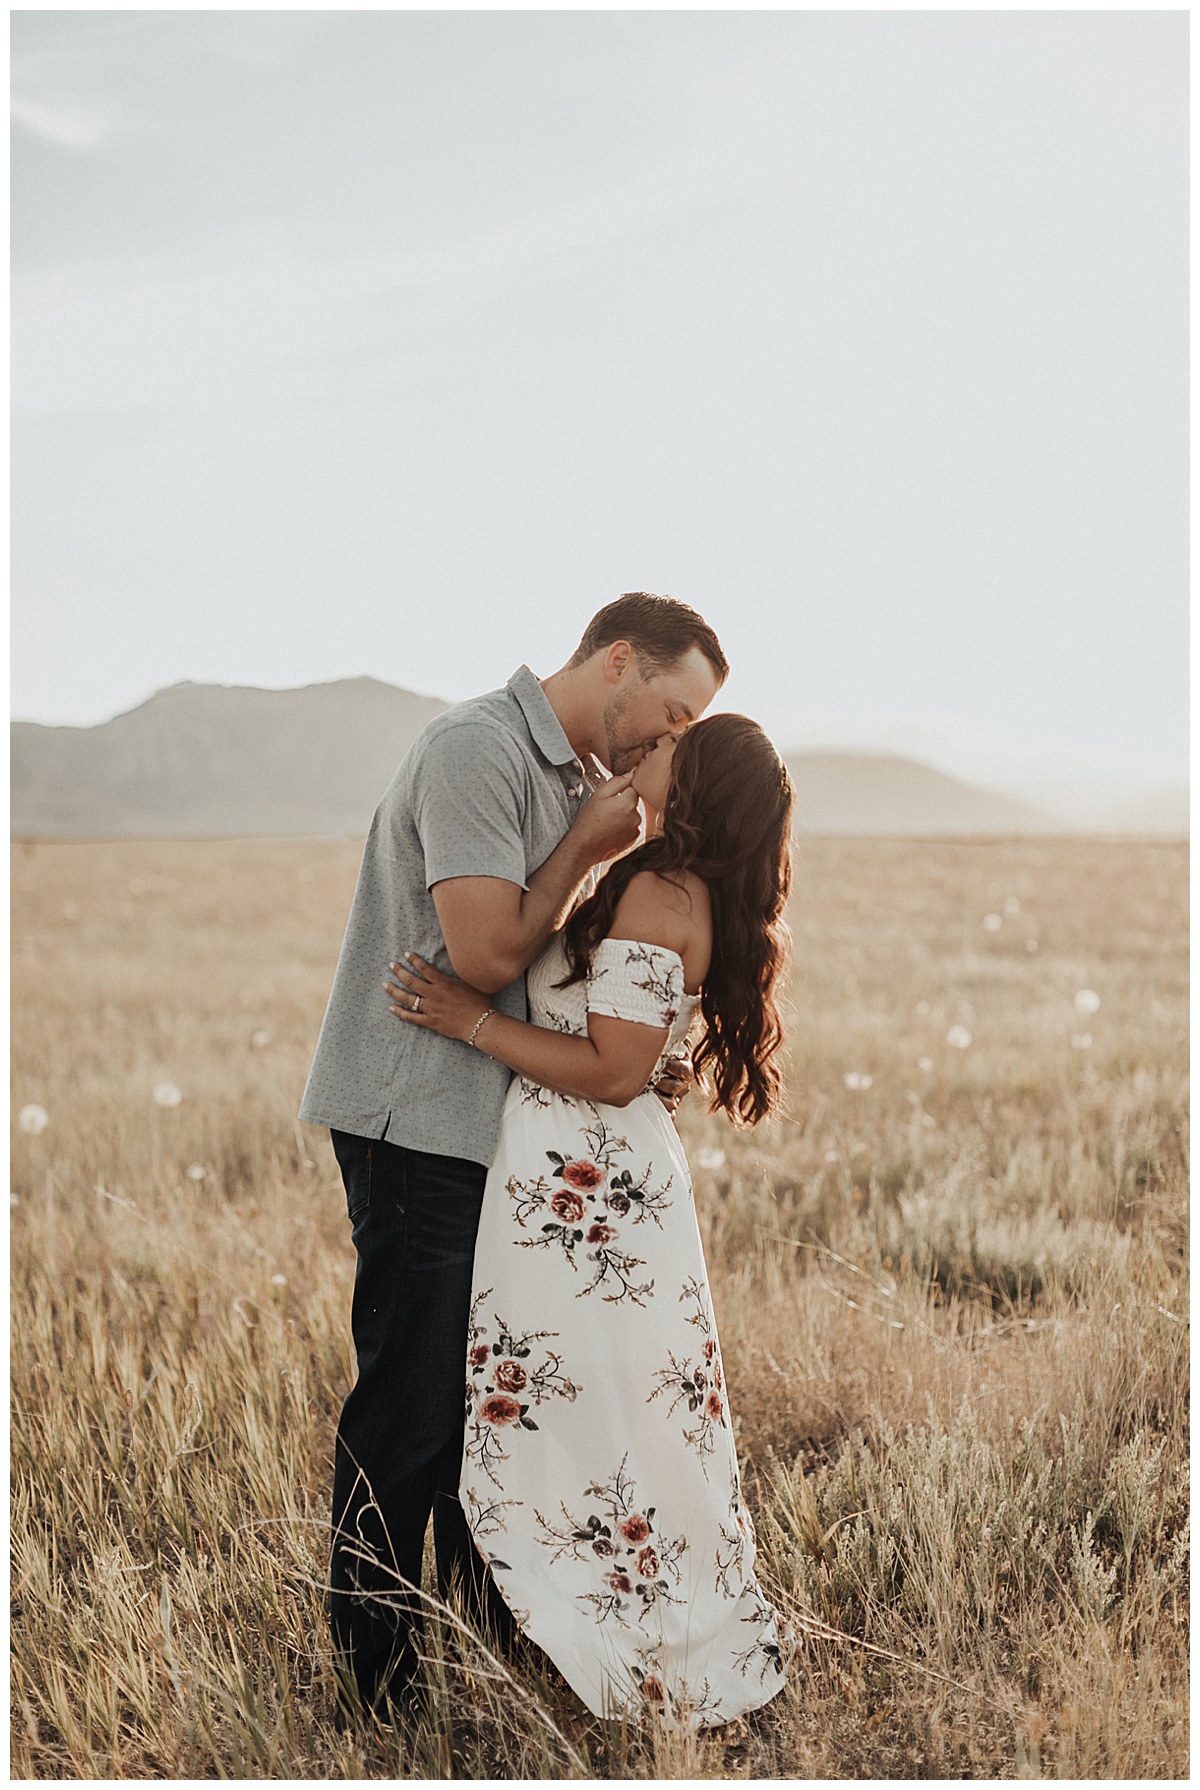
column 478, row 1023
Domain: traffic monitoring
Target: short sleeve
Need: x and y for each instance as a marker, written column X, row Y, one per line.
column 631, row 980
column 469, row 803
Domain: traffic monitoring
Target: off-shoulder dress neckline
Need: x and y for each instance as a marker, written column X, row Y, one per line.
column 692, row 994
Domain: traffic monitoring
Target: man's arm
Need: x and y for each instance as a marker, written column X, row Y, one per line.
column 494, row 929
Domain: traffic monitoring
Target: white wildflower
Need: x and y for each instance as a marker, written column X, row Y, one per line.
column 279, row 1280
column 709, row 1158
column 1011, row 905
column 167, row 1094
column 959, row 1037
column 1087, row 1001
column 853, row 1079
column 925, row 1063
column 261, row 1039
column 33, row 1119
column 1081, row 1040
column 832, row 1156
column 196, row 1171
column 992, row 922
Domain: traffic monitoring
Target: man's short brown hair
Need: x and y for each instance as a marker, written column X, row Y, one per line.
column 660, row 631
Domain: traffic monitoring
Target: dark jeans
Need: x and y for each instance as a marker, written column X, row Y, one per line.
column 399, row 1441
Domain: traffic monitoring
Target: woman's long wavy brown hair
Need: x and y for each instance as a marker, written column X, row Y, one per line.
column 728, row 819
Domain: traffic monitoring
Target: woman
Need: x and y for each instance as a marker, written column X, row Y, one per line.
column 600, row 1477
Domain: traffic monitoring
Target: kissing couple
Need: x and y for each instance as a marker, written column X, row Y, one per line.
column 505, row 1042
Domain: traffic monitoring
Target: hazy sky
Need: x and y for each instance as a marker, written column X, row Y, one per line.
column 396, row 343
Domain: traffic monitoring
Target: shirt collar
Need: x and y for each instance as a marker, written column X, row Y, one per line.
column 544, row 724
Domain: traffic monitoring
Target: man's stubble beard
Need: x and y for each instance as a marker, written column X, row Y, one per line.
column 623, row 752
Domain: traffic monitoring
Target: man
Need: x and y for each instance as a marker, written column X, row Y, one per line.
column 486, row 834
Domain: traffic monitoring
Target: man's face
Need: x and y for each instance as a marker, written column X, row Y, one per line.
column 640, row 710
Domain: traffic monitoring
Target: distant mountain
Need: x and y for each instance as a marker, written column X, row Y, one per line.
column 215, row 759
column 201, row 759
column 878, row 793
column 1165, row 810
column 1153, row 807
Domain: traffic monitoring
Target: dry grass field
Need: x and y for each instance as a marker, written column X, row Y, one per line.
column 951, row 1287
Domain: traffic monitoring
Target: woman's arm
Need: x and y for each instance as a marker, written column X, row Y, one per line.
column 612, row 1064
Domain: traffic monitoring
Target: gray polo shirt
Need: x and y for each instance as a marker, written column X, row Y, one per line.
column 488, row 788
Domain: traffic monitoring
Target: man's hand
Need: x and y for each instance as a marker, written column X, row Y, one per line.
column 674, row 1083
column 493, row 929
column 609, row 821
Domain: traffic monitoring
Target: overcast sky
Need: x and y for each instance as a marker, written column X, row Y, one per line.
column 397, row 343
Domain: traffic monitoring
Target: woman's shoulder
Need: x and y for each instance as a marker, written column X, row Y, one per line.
column 663, row 910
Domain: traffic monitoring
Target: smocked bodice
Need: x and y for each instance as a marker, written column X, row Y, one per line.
column 628, row 980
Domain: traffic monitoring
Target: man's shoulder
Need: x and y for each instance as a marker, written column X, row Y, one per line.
column 493, row 718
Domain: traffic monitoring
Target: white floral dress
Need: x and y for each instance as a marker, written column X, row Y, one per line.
column 599, row 1475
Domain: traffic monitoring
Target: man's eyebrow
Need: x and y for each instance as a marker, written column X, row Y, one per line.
column 683, row 707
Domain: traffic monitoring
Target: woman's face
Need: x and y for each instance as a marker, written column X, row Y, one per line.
column 652, row 777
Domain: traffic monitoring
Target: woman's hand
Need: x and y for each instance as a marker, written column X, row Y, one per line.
column 442, row 1004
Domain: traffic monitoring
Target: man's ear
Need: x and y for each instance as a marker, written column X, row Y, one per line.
column 618, row 658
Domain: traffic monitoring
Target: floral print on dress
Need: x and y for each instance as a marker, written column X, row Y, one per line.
column 533, row 1094
column 652, row 1673
column 484, row 1515
column 735, row 1547
column 661, row 979
column 503, row 1385
column 765, row 1652
column 589, row 1208
column 637, row 1568
column 695, row 1381
column 531, row 1091
column 600, row 1478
